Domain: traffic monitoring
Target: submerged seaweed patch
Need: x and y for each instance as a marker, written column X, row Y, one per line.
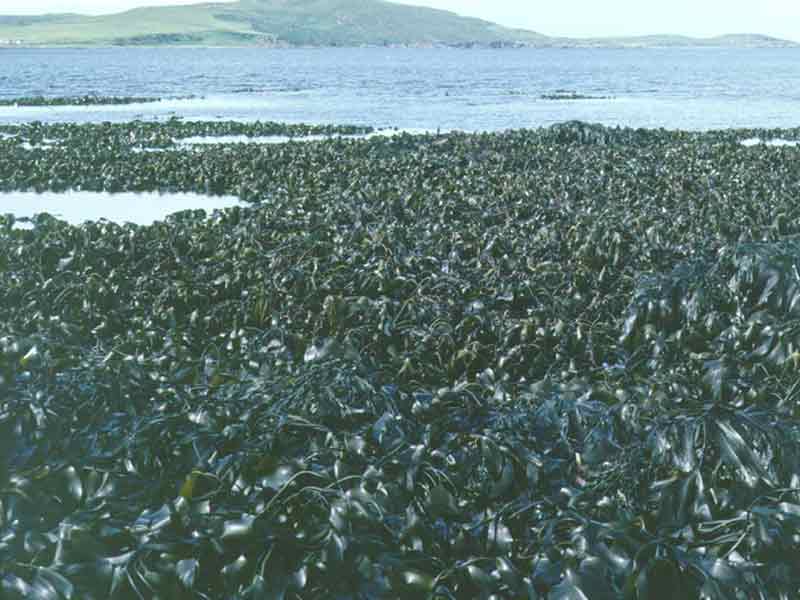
column 558, row 363
column 571, row 95
column 88, row 100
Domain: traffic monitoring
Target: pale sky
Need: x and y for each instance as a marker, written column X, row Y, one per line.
column 779, row 18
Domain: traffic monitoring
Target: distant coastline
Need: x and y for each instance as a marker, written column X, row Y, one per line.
column 328, row 24
column 573, row 44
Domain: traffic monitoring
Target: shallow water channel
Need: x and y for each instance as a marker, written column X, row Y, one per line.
column 127, row 207
column 771, row 142
column 285, row 139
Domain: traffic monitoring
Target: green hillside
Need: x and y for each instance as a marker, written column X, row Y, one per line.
column 310, row 23
column 265, row 22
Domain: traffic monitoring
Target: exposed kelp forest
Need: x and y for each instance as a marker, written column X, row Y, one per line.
column 558, row 364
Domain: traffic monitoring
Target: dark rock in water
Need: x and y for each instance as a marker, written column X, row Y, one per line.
column 568, row 95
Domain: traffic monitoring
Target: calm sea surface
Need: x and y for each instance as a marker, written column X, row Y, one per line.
column 472, row 90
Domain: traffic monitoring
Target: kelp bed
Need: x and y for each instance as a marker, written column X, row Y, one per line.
column 111, row 145
column 554, row 364
column 87, row 100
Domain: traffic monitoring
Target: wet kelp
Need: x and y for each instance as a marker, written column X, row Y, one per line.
column 537, row 364
column 75, row 147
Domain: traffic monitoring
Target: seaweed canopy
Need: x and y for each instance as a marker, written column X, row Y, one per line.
column 541, row 364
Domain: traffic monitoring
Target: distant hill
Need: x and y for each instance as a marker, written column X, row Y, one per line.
column 303, row 23
column 266, row 22
column 743, row 40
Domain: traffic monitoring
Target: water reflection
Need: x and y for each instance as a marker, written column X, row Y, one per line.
column 773, row 142
column 284, row 139
column 478, row 90
column 79, row 207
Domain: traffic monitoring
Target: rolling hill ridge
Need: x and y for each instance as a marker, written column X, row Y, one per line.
column 277, row 23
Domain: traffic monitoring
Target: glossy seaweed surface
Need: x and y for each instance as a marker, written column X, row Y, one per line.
column 556, row 364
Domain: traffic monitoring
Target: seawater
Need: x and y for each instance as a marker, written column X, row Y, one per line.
column 285, row 139
column 437, row 88
column 775, row 142
column 77, row 207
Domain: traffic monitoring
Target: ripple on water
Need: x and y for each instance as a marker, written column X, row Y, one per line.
column 77, row 207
